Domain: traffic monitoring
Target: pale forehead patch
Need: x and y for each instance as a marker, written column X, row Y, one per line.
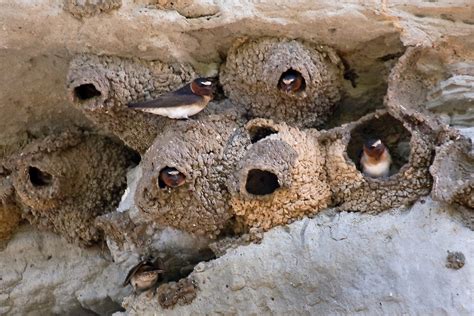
column 173, row 173
column 378, row 142
column 206, row 83
column 288, row 81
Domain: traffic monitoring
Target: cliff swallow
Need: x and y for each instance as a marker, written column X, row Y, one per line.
column 375, row 160
column 143, row 276
column 171, row 177
column 182, row 103
column 291, row 81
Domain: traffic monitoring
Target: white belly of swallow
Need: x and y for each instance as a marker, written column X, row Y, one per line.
column 180, row 112
column 379, row 170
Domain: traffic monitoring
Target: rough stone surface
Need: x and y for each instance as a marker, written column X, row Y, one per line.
column 454, row 97
column 419, row 81
column 41, row 273
column 319, row 266
column 453, row 173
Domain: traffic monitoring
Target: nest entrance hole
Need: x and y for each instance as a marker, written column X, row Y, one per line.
column 299, row 84
column 261, row 182
column 86, row 91
column 390, row 131
column 257, row 133
column 39, row 178
column 170, row 177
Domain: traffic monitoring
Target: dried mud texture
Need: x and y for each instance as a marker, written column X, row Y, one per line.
column 453, row 173
column 411, row 151
column 455, row 260
column 253, row 68
column 412, row 86
column 195, row 148
column 10, row 214
column 279, row 174
column 118, row 227
column 65, row 181
column 101, row 87
column 182, row 292
column 89, row 8
column 188, row 8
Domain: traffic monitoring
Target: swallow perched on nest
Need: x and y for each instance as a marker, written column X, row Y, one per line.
column 182, row 103
column 376, row 159
column 143, row 276
column 291, row 81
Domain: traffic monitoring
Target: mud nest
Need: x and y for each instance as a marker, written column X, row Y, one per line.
column 183, row 183
column 253, row 73
column 10, row 214
column 278, row 175
column 409, row 178
column 63, row 182
column 102, row 86
column 216, row 171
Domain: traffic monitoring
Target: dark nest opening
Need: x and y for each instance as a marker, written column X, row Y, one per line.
column 390, row 131
column 299, row 83
column 39, row 178
column 257, row 133
column 86, row 91
column 261, row 182
column 170, row 177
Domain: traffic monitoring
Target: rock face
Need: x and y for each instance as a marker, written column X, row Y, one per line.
column 344, row 263
column 40, row 273
column 453, row 173
column 302, row 84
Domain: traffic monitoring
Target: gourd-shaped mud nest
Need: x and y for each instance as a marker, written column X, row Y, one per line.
column 10, row 214
column 63, row 182
column 183, row 182
column 285, row 80
column 102, row 86
column 278, row 174
column 408, row 179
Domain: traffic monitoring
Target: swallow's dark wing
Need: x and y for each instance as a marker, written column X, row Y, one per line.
column 179, row 97
column 132, row 272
